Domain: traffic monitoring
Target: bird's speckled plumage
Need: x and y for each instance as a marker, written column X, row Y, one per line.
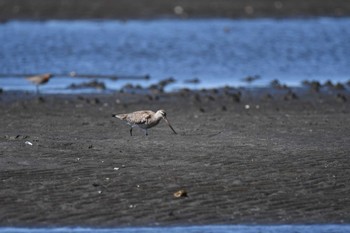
column 144, row 119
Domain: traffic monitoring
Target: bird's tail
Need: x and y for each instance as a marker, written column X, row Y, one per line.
column 119, row 116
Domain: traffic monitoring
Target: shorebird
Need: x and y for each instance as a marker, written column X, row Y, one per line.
column 144, row 119
column 39, row 80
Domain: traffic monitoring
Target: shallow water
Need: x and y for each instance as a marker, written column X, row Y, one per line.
column 216, row 51
column 193, row 229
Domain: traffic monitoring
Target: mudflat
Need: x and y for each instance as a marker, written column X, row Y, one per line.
column 251, row 157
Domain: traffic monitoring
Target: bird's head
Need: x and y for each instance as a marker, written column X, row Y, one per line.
column 161, row 113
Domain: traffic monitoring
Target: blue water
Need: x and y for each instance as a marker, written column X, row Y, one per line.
column 216, row 51
column 193, row 229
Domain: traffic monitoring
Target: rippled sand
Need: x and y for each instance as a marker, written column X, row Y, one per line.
column 265, row 159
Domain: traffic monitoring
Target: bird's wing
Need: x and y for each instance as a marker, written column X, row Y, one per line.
column 140, row 117
column 34, row 79
column 39, row 79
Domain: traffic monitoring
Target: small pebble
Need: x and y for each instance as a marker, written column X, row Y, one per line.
column 180, row 193
column 28, row 143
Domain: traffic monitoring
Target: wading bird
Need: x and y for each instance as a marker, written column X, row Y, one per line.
column 39, row 80
column 144, row 119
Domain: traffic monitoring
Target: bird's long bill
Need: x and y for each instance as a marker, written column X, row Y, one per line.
column 166, row 120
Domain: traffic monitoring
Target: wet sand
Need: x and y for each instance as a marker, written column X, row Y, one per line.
column 262, row 158
column 281, row 157
column 123, row 9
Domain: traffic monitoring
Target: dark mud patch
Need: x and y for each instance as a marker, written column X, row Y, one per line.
column 258, row 160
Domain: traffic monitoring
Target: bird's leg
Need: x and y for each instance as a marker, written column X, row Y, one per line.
column 130, row 131
column 146, row 132
column 37, row 89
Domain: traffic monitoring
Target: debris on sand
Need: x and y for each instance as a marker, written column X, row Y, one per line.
column 180, row 193
column 93, row 84
column 341, row 98
column 133, row 89
column 196, row 97
column 16, row 137
column 28, row 143
column 166, row 81
column 250, row 79
column 329, row 84
column 192, row 81
column 313, row 85
column 236, row 97
column 233, row 94
column 339, row 86
column 267, row 96
column 290, row 96
column 211, row 98
column 154, row 89
column 159, row 87
column 277, row 85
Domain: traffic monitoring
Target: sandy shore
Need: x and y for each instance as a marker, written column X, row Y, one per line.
column 268, row 158
column 123, row 9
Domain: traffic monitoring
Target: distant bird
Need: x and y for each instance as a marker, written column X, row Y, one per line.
column 144, row 119
column 39, row 80
column 250, row 79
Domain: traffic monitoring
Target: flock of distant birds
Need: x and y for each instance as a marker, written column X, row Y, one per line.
column 146, row 119
column 41, row 79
